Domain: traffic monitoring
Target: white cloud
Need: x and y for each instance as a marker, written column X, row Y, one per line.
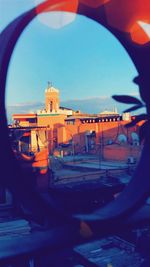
column 26, row 104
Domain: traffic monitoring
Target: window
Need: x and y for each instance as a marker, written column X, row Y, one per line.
column 51, row 106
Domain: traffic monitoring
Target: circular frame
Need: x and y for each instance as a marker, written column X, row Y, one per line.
column 136, row 191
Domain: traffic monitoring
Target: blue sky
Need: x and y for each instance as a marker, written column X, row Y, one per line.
column 82, row 59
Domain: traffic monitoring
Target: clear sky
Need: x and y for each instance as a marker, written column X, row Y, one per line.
column 82, row 59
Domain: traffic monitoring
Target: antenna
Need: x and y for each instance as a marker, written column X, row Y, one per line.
column 116, row 109
column 49, row 84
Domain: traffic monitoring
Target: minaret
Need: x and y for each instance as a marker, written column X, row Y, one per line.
column 52, row 102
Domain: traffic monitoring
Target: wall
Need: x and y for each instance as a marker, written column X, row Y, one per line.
column 50, row 120
column 105, row 131
column 121, row 152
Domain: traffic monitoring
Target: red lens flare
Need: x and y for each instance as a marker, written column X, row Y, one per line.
column 57, row 5
column 124, row 16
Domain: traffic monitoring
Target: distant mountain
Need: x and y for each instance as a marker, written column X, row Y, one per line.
column 29, row 107
column 93, row 105
column 89, row 105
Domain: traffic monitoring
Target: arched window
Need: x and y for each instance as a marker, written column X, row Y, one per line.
column 51, row 106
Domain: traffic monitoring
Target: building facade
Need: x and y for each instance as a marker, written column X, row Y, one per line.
column 65, row 131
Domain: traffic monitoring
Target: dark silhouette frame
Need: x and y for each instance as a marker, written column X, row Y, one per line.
column 12, row 176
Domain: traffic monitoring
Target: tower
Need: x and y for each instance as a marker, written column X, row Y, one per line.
column 52, row 101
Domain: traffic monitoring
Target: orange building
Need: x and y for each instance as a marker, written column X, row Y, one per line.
column 65, row 131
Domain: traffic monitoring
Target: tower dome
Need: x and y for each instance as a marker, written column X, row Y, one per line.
column 51, row 89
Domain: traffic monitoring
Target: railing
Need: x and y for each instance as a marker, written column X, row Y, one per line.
column 97, row 175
